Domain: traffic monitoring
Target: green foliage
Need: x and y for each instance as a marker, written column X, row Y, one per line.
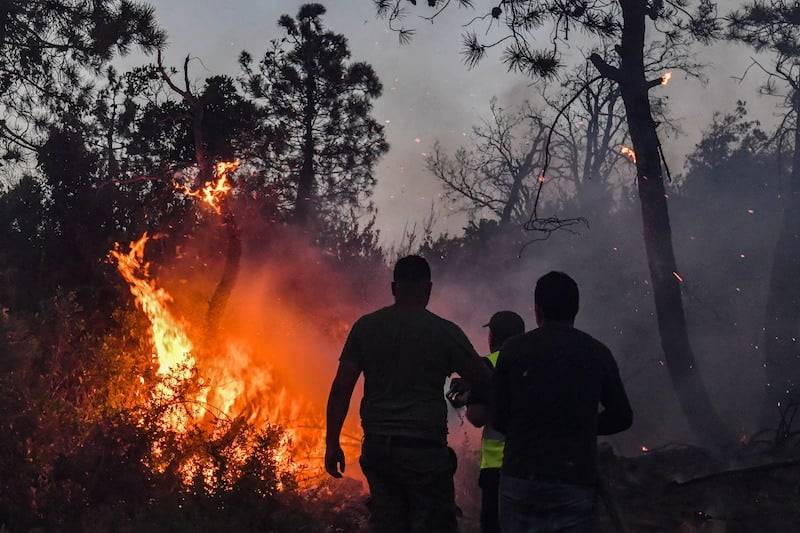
column 45, row 50
column 772, row 25
column 315, row 110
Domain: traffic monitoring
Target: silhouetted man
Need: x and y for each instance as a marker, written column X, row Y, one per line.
column 405, row 353
column 502, row 326
column 548, row 386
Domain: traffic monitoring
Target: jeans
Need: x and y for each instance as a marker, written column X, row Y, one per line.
column 532, row 506
column 411, row 489
column 489, row 482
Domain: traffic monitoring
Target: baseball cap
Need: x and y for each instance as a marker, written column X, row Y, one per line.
column 505, row 324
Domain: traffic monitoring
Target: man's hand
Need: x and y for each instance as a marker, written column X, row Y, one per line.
column 459, row 393
column 334, row 460
column 338, row 403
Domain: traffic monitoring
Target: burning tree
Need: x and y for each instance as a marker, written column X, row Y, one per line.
column 318, row 133
column 774, row 27
column 627, row 22
column 591, row 137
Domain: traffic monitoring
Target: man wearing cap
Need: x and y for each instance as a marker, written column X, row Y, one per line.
column 405, row 353
column 502, row 326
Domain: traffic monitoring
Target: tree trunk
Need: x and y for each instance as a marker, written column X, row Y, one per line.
column 305, row 182
column 222, row 292
column 205, row 171
column 113, row 166
column 664, row 274
column 782, row 357
column 513, row 196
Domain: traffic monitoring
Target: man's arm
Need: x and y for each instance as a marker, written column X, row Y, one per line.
column 338, row 405
column 500, row 398
column 617, row 414
column 478, row 414
column 470, row 366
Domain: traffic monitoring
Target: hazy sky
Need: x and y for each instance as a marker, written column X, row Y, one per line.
column 428, row 93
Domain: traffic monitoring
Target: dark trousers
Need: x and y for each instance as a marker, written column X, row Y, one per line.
column 411, row 489
column 489, row 482
column 531, row 506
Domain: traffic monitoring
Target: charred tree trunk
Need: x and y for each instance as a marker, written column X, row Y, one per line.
column 782, row 350
column 197, row 110
column 222, row 292
column 113, row 166
column 204, row 165
column 678, row 354
column 513, row 195
column 306, row 179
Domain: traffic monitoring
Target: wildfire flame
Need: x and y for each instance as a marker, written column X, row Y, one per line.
column 628, row 152
column 665, row 78
column 234, row 380
column 233, row 385
column 213, row 191
column 173, row 349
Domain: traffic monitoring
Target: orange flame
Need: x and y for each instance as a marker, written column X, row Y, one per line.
column 628, row 152
column 232, row 385
column 665, row 78
column 173, row 349
column 215, row 190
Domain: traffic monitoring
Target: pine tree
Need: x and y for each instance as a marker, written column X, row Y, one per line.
column 49, row 50
column 318, row 130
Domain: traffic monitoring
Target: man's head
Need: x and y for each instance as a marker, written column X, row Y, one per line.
column 502, row 326
column 556, row 298
column 412, row 281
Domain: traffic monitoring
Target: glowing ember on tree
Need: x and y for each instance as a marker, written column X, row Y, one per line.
column 213, row 191
column 665, row 78
column 628, row 152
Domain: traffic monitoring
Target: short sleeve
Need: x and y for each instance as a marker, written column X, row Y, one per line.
column 352, row 352
column 461, row 350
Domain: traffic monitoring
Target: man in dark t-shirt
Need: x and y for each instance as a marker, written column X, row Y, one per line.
column 405, row 353
column 548, row 387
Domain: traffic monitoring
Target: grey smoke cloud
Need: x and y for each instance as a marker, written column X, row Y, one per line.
column 428, row 92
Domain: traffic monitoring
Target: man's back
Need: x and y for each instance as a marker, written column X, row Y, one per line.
column 406, row 353
column 549, row 384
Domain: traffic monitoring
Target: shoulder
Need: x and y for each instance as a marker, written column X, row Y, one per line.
column 590, row 341
column 594, row 346
column 519, row 344
column 379, row 314
column 370, row 319
column 443, row 323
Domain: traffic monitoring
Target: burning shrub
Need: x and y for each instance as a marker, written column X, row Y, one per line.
column 83, row 465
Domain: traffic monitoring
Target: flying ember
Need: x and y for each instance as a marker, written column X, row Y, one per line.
column 628, row 152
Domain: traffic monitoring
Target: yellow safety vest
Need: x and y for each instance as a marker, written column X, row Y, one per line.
column 492, row 442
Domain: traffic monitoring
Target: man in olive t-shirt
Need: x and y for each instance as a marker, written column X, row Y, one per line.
column 406, row 353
